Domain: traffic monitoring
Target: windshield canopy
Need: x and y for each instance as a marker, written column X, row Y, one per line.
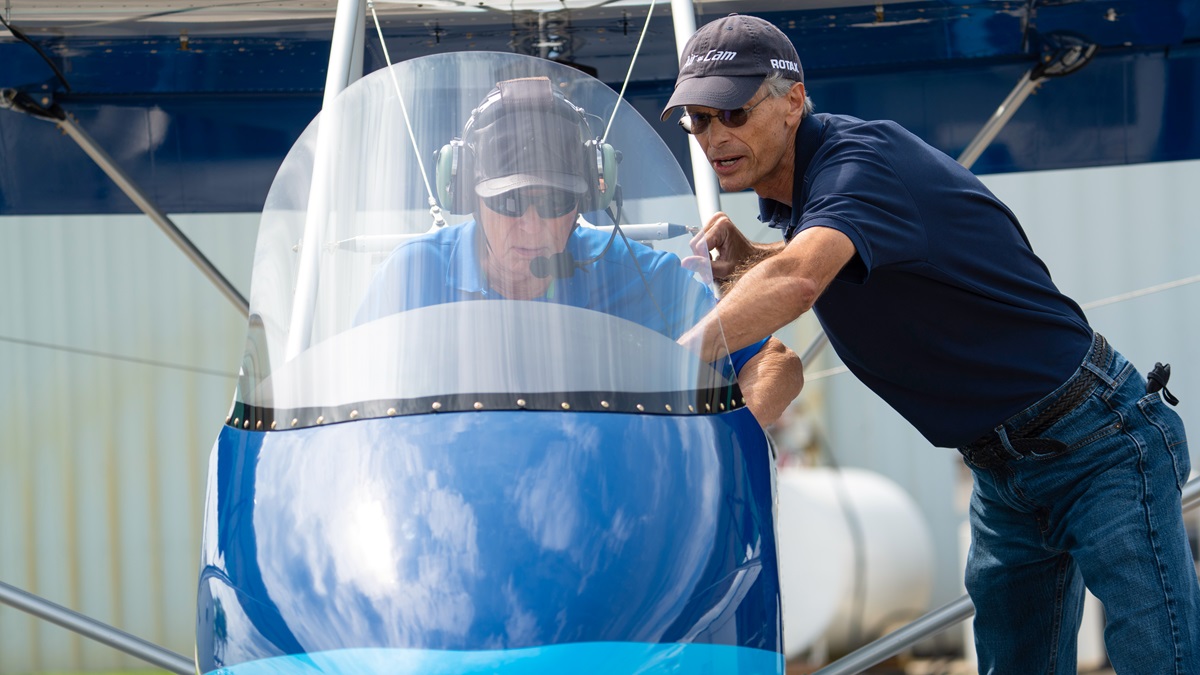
column 477, row 231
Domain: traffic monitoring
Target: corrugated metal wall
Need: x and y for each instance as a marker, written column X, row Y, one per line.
column 118, row 362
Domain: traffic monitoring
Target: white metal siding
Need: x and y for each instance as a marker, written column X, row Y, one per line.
column 118, row 362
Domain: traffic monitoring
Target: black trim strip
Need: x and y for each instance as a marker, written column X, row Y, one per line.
column 701, row 402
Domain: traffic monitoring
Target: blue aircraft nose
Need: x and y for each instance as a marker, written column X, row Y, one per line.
column 493, row 542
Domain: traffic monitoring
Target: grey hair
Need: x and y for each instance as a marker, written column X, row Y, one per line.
column 778, row 86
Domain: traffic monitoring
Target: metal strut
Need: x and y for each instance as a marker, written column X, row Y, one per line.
column 96, row 630
column 1063, row 54
column 344, row 68
column 177, row 237
column 21, row 102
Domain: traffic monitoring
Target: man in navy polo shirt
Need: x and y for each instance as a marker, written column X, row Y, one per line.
column 530, row 165
column 930, row 293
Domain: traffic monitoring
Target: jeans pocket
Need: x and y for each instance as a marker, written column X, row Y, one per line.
column 1170, row 426
column 1089, row 422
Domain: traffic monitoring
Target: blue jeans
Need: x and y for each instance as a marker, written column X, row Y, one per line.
column 1103, row 511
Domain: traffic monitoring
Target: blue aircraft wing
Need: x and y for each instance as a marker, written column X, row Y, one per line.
column 200, row 102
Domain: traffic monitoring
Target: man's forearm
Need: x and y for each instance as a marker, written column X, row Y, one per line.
column 759, row 253
column 760, row 304
column 767, row 298
column 773, row 293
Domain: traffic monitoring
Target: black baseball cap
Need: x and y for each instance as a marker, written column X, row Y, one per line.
column 725, row 62
column 524, row 135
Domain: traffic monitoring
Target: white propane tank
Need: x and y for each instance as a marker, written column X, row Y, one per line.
column 855, row 557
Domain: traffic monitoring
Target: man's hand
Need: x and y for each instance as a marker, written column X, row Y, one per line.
column 721, row 236
column 770, row 381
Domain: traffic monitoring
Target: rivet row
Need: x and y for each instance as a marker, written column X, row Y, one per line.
column 478, row 405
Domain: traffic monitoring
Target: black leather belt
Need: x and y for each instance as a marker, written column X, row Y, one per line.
column 988, row 451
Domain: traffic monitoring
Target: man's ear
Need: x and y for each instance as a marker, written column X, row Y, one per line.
column 796, row 97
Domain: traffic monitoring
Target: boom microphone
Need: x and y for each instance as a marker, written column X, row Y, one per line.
column 561, row 265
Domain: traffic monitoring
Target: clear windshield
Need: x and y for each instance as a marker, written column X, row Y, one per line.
column 515, row 291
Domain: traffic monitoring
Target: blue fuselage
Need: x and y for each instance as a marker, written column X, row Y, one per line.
column 509, row 541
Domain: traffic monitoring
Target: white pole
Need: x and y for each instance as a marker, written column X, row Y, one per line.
column 346, row 28
column 347, row 24
column 358, row 48
column 708, row 190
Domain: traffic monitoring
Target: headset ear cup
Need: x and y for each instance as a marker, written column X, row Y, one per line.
column 455, row 175
column 444, row 164
column 607, row 187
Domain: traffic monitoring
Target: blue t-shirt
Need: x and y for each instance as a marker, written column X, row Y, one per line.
column 944, row 312
column 634, row 282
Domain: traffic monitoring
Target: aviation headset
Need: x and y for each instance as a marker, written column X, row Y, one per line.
column 456, row 170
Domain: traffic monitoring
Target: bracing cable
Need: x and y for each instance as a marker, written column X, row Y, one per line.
column 629, row 73
column 434, row 209
column 117, row 357
column 408, row 124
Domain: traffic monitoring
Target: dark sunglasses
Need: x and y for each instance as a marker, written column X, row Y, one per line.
column 549, row 203
column 697, row 123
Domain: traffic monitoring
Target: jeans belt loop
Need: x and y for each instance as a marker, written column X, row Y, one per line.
column 1002, row 436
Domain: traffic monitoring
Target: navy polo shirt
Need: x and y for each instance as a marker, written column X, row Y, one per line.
column 944, row 312
column 634, row 282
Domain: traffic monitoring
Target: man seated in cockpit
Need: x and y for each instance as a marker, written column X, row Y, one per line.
column 526, row 166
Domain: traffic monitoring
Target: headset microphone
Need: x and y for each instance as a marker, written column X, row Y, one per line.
column 561, row 265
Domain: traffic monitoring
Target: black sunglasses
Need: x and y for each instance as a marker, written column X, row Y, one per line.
column 549, row 203
column 697, row 123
